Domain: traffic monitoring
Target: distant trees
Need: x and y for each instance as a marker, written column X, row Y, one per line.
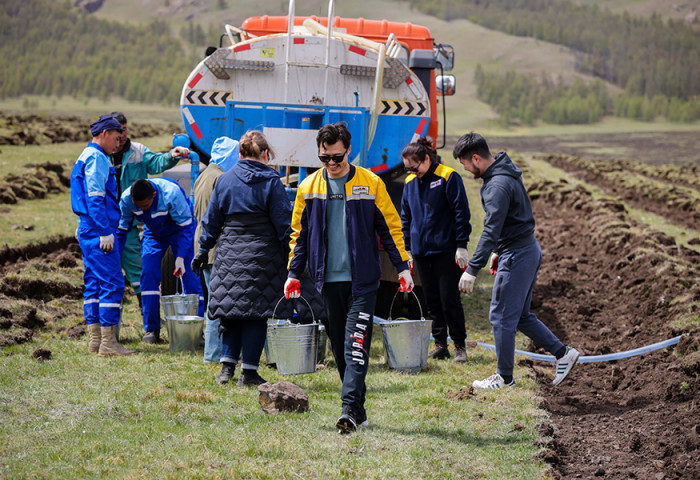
column 50, row 48
column 656, row 62
column 522, row 98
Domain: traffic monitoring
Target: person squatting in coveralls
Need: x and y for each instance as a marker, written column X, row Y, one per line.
column 134, row 161
column 94, row 199
column 162, row 205
column 339, row 212
column 435, row 220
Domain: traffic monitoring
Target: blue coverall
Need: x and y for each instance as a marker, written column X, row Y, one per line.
column 94, row 199
column 170, row 222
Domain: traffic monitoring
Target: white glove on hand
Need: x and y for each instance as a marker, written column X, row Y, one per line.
column 462, row 258
column 179, row 267
column 180, row 152
column 106, row 242
column 405, row 281
column 466, row 283
column 411, row 264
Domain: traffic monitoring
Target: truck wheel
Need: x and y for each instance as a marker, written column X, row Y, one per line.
column 168, row 283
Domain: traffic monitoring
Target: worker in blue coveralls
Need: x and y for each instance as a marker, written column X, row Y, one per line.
column 134, row 161
column 95, row 200
column 163, row 206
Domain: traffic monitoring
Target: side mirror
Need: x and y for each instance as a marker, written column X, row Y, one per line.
column 445, row 85
column 445, row 56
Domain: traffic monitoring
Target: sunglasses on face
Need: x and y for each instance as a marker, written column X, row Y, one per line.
column 412, row 169
column 337, row 158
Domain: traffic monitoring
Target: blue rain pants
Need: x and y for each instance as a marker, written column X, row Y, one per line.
column 510, row 305
column 152, row 251
column 104, row 282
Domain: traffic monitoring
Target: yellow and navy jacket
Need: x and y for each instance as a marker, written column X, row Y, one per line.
column 435, row 212
column 370, row 214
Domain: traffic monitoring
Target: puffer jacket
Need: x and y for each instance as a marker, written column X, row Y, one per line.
column 249, row 216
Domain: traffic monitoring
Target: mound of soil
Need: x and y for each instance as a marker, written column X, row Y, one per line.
column 43, row 130
column 604, row 288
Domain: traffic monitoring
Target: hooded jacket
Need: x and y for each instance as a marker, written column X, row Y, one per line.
column 224, row 155
column 248, row 215
column 508, row 223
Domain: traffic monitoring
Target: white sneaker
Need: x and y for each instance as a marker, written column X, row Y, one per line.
column 494, row 381
column 563, row 366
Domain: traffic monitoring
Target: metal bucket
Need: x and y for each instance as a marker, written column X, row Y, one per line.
column 184, row 332
column 322, row 342
column 269, row 352
column 293, row 347
column 406, row 342
column 180, row 304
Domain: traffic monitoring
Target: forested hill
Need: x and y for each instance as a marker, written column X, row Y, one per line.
column 48, row 47
column 646, row 56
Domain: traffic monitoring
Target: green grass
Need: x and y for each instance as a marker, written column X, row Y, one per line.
column 158, row 415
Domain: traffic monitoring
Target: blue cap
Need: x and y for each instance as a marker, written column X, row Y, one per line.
column 106, row 122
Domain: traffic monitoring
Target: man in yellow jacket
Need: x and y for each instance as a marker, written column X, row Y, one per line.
column 339, row 212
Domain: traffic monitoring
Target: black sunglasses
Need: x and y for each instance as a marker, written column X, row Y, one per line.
column 412, row 169
column 337, row 158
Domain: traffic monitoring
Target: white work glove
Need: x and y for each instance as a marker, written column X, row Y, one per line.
column 462, row 258
column 466, row 283
column 411, row 264
column 106, row 242
column 292, row 288
column 179, row 267
column 180, row 152
column 493, row 264
column 405, row 281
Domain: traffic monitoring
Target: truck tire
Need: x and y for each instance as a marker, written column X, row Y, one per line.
column 168, row 283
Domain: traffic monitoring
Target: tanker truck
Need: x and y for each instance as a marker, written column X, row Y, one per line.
column 289, row 75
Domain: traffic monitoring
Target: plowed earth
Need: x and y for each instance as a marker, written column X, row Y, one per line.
column 607, row 284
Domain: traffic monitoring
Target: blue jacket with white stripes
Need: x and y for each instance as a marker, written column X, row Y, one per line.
column 93, row 191
column 170, row 214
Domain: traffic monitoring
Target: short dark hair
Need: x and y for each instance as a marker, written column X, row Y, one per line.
column 141, row 190
column 120, row 117
column 470, row 144
column 331, row 133
column 417, row 150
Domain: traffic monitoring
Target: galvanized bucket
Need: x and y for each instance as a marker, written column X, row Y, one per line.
column 322, row 342
column 294, row 347
column 406, row 342
column 184, row 332
column 180, row 304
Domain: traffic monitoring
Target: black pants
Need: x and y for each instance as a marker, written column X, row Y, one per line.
column 349, row 329
column 440, row 276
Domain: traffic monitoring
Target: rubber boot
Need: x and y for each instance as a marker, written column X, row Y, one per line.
column 95, row 337
column 138, row 295
column 110, row 346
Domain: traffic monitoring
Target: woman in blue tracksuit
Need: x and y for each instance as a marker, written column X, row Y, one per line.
column 94, row 199
column 163, row 206
column 435, row 222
